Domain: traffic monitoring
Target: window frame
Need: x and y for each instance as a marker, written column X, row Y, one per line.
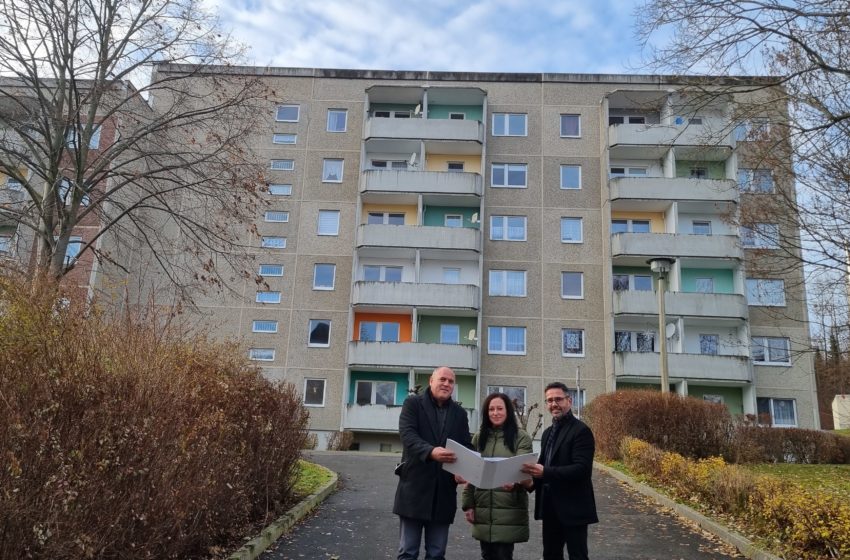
column 505, row 273
column 323, row 382
column 278, row 138
column 325, row 174
column 511, row 390
column 344, row 112
column 311, row 328
column 564, row 273
column 582, row 352
column 444, row 326
column 288, row 105
column 628, row 171
column 258, row 297
column 702, row 223
column 566, row 219
column 503, row 339
column 771, row 401
column 379, row 331
column 749, row 184
column 449, row 165
column 765, row 345
column 70, row 257
column 506, row 171
column 382, row 272
column 506, row 124
column 451, row 269
column 268, row 274
column 273, row 242
column 505, row 227
column 760, row 291
column 374, row 392
column 716, row 342
column 458, row 217
column 284, row 216
column 280, row 186
column 319, row 223
column 325, row 288
column 272, row 322
column 282, row 165
column 561, row 125
column 758, row 236
column 253, row 357
column 564, row 166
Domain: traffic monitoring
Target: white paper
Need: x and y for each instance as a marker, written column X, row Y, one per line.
column 487, row 472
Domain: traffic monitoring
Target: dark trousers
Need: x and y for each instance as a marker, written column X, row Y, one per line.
column 555, row 536
column 410, row 539
column 497, row 551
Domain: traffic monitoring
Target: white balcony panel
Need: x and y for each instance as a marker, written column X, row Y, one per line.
column 412, row 354
column 418, row 237
column 668, row 135
column 425, row 182
column 425, row 129
column 676, row 245
column 372, row 417
column 673, row 189
column 463, row 296
column 682, row 304
column 693, row 367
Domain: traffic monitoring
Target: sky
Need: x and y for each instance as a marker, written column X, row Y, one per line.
column 570, row 36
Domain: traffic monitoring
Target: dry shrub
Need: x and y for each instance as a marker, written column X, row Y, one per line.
column 689, row 426
column 340, row 441
column 311, row 442
column 758, row 444
column 123, row 438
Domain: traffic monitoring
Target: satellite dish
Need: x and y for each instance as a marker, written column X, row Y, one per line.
column 670, row 330
column 412, row 161
column 418, row 109
column 474, row 218
column 471, row 334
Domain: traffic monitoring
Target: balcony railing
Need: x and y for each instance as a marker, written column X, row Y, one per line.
column 673, row 189
column 682, row 303
column 693, row 367
column 412, row 354
column 424, row 182
column 424, row 129
column 668, row 135
column 458, row 296
column 371, row 417
column 418, row 237
column 676, row 245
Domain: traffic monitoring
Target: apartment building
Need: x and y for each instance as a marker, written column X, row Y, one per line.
column 502, row 225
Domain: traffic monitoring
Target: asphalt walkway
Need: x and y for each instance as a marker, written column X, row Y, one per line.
column 356, row 523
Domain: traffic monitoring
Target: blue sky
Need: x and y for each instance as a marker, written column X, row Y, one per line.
column 594, row 36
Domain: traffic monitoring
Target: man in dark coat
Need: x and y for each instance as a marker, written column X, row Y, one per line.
column 563, row 489
column 426, row 497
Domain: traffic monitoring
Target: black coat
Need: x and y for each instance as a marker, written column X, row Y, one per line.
column 566, row 483
column 425, row 491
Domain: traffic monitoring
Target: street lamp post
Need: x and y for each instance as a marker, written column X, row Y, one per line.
column 662, row 266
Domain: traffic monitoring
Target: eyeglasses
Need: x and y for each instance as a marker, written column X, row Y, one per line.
column 554, row 400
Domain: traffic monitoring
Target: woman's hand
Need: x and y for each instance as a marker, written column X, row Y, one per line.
column 469, row 514
column 509, row 487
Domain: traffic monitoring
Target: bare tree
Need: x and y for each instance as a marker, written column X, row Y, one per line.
column 805, row 46
column 99, row 127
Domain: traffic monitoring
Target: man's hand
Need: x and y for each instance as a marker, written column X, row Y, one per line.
column 460, row 480
column 443, row 455
column 469, row 515
column 534, row 469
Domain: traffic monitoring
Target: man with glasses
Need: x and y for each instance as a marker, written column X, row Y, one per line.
column 562, row 479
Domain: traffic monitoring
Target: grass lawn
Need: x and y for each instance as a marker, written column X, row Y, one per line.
column 309, row 478
column 844, row 432
column 830, row 478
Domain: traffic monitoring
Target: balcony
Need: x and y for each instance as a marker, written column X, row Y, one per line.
column 682, row 304
column 371, row 417
column 458, row 296
column 642, row 141
column 673, row 189
column 418, row 237
column 676, row 245
column 412, row 354
column 693, row 367
column 424, row 182
column 424, row 129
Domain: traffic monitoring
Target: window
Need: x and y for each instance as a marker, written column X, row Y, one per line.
column 373, row 331
column 453, row 220
column 510, row 124
column 698, row 173
column 760, row 236
column 449, row 334
column 280, row 190
column 284, row 138
column 283, row 164
column 510, row 283
column 451, row 275
column 570, row 126
column 753, row 129
column 704, row 285
column 507, row 228
column 72, row 250
column 66, row 194
column 716, row 399
column 267, row 297
column 572, row 285
column 323, row 276
column 278, row 216
column 777, row 412
column 386, row 218
column 515, row 394
column 570, row 176
column 457, row 116
column 337, row 120
column 623, row 119
column 768, row 350
column 575, row 396
column 701, row 227
column 571, row 230
column 261, row 354
column 572, row 342
column 509, row 175
column 375, row 392
column 13, row 184
column 708, row 344
column 506, row 340
column 328, row 222
column 392, row 114
column 273, row 242
column 381, row 273
column 72, row 138
column 634, row 282
column 287, row 113
column 761, row 291
column 270, row 270
column 259, row 326
column 634, row 341
column 758, row 181
column 630, row 226
column 332, row 170
column 455, row 166
column 5, row 244
column 319, row 333
column 628, row 171
column 314, row 392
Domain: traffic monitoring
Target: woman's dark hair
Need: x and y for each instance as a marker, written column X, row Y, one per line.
column 509, row 428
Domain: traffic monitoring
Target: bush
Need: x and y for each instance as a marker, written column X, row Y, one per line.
column 340, row 441
column 689, row 426
column 756, row 444
column 810, row 525
column 123, row 438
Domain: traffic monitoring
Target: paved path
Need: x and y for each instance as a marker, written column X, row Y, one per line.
column 356, row 522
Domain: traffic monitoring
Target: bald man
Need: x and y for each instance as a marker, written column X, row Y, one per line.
column 426, row 497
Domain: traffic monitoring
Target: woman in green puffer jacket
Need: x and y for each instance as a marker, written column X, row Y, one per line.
column 499, row 516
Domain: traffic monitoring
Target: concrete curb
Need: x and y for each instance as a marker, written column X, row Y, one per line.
column 252, row 549
column 739, row 541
